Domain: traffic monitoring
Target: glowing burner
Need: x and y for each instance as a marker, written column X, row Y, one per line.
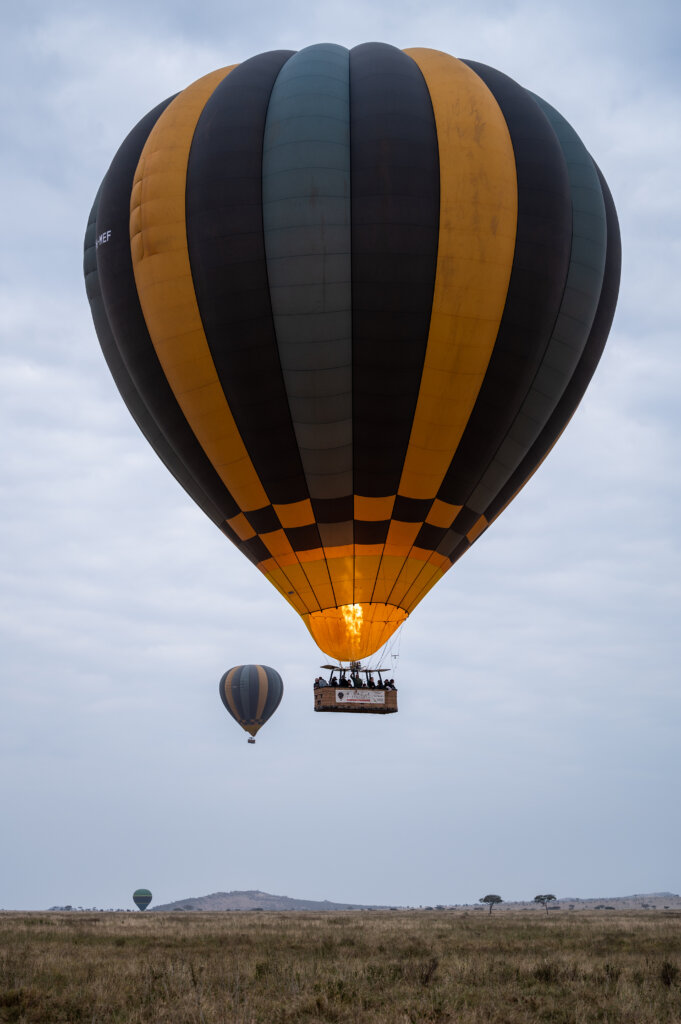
column 354, row 631
column 353, row 616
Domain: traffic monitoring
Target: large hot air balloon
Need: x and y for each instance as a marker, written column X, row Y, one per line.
column 141, row 898
column 352, row 298
column 251, row 694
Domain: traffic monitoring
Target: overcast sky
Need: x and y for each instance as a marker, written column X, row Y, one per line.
column 537, row 748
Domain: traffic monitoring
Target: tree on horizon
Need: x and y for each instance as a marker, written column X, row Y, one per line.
column 545, row 900
column 491, row 899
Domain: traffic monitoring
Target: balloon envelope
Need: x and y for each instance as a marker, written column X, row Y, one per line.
column 352, row 298
column 141, row 898
column 251, row 694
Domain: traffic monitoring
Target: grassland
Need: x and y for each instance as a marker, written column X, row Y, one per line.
column 410, row 967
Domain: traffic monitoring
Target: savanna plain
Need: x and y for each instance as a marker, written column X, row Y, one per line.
column 392, row 967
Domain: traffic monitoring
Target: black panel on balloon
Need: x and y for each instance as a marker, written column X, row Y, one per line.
column 585, row 368
column 395, row 177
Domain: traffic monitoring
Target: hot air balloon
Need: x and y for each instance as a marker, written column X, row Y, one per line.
column 352, row 298
column 141, row 898
column 251, row 694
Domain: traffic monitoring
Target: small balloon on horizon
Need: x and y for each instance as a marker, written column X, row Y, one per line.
column 141, row 898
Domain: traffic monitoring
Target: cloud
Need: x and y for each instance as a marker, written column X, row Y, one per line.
column 541, row 672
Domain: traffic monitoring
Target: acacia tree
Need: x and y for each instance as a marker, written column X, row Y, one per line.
column 490, row 899
column 545, row 900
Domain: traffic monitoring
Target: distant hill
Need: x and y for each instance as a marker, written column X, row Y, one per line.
column 642, row 901
column 254, row 899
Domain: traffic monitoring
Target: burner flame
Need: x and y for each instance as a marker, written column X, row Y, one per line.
column 353, row 615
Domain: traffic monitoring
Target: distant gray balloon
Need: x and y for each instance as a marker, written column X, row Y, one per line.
column 251, row 694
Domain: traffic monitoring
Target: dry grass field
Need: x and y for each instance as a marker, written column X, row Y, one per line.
column 404, row 967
